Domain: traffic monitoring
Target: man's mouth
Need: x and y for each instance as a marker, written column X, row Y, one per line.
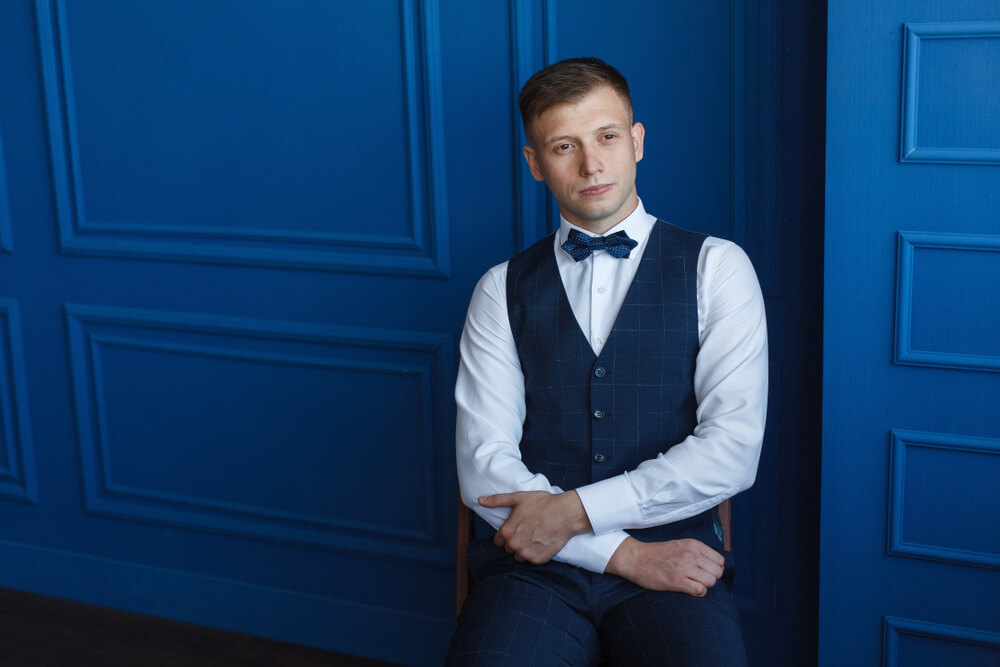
column 596, row 190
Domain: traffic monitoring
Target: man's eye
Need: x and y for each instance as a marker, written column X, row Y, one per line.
column 563, row 147
column 609, row 136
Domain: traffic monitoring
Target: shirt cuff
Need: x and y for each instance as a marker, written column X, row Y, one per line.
column 610, row 504
column 591, row 552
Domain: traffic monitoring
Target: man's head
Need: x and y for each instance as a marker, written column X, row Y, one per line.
column 565, row 82
column 583, row 143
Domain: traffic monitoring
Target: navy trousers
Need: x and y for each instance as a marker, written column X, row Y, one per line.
column 557, row 614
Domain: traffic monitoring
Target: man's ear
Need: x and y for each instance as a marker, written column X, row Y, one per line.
column 638, row 134
column 532, row 160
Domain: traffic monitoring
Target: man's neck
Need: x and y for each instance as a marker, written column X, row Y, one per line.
column 599, row 228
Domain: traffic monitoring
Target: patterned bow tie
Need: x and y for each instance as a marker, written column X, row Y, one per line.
column 580, row 245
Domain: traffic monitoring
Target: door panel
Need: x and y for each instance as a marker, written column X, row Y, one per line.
column 910, row 553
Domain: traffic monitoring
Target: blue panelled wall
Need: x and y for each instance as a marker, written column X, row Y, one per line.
column 911, row 430
column 237, row 241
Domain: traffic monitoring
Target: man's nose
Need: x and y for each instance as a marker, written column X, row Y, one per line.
column 590, row 162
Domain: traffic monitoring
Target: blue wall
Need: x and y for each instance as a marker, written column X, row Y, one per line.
column 237, row 241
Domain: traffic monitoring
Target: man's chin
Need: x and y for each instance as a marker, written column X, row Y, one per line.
column 600, row 215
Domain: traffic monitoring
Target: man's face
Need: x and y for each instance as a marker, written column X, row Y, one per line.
column 586, row 153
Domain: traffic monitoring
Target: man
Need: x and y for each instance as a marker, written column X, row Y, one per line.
column 611, row 394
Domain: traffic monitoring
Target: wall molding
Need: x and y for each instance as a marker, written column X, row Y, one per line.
column 94, row 330
column 17, row 452
column 901, row 442
column 907, row 243
column 914, row 35
column 424, row 253
column 227, row 604
column 895, row 628
column 6, row 233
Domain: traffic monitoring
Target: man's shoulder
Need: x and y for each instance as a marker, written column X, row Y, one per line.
column 534, row 255
column 674, row 230
column 494, row 278
column 707, row 242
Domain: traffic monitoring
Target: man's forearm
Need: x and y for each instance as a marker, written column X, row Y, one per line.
column 684, row 566
column 540, row 523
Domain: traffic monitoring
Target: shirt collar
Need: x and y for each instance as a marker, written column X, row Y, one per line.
column 637, row 225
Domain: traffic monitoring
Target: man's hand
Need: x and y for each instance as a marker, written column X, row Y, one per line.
column 684, row 566
column 539, row 524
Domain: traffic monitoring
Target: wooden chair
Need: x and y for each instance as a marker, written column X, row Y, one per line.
column 463, row 578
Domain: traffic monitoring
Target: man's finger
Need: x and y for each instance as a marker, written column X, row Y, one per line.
column 712, row 568
column 711, row 554
column 499, row 500
column 703, row 578
column 694, row 588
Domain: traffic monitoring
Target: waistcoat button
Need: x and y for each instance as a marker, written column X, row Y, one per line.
column 600, row 372
column 599, row 458
column 598, row 414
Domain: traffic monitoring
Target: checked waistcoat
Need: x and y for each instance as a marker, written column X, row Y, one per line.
column 592, row 417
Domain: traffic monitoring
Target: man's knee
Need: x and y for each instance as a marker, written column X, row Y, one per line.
column 674, row 629
column 507, row 620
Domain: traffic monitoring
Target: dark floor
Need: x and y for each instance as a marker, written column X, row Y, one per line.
column 38, row 631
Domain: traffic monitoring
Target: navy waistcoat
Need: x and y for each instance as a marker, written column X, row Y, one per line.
column 592, row 417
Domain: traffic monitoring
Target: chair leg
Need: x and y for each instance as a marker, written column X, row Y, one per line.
column 463, row 581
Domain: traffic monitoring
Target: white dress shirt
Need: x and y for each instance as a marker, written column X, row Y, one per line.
column 717, row 461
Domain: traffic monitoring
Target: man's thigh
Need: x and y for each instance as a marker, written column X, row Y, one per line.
column 675, row 629
column 520, row 621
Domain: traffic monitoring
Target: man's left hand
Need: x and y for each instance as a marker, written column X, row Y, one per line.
column 540, row 523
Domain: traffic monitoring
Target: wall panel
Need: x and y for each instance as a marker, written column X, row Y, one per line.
column 950, row 92
column 910, row 643
column 171, row 405
column 960, row 526
column 945, row 284
column 178, row 169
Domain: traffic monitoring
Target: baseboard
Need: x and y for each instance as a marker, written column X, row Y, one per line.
column 311, row 620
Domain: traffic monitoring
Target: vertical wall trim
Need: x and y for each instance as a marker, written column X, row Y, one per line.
column 18, row 482
column 433, row 131
column 6, row 236
column 764, row 179
column 549, row 42
column 549, row 32
column 737, row 145
column 537, row 213
column 908, row 108
column 527, row 193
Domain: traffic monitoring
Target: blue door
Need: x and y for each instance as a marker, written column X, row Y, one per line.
column 237, row 241
column 910, row 557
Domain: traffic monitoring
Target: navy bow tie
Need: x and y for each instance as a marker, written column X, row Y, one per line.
column 580, row 245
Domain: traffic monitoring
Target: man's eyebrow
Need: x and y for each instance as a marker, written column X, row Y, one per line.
column 561, row 137
column 571, row 137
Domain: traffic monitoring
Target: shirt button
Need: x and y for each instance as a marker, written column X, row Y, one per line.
column 599, row 458
column 599, row 340
column 601, row 290
column 598, row 414
column 600, row 372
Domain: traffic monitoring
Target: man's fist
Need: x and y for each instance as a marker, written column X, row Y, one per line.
column 684, row 566
column 540, row 523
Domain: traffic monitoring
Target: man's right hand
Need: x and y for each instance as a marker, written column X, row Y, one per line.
column 684, row 566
